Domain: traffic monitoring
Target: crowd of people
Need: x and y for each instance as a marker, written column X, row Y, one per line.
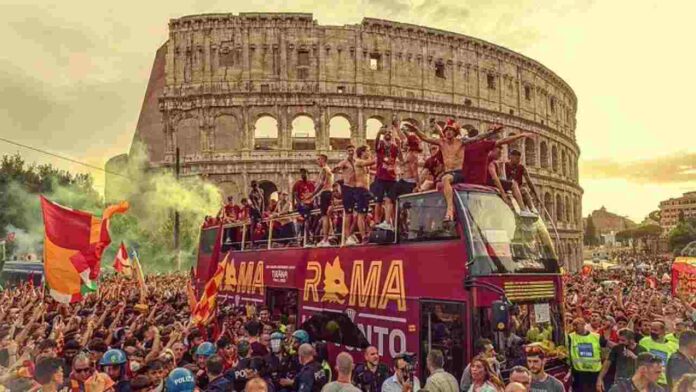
column 372, row 177
column 624, row 332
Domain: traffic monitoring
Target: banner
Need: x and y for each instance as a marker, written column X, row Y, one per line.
column 684, row 276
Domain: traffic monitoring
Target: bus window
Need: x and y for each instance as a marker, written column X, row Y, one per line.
column 442, row 328
column 232, row 239
column 420, row 218
column 207, row 241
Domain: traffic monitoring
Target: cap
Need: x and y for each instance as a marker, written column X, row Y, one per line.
column 243, row 348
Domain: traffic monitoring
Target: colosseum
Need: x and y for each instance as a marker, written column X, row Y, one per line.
column 257, row 95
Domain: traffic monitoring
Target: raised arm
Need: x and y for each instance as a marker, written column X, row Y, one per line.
column 421, row 135
column 496, row 129
column 513, row 138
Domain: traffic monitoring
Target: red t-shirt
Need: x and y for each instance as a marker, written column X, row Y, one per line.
column 303, row 189
column 231, row 210
column 386, row 152
column 515, row 172
column 475, row 165
column 243, row 213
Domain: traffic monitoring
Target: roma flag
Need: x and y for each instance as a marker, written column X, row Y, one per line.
column 73, row 245
column 122, row 262
column 204, row 310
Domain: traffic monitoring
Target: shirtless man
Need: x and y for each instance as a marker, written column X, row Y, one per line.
column 387, row 149
column 363, row 162
column 452, row 149
column 347, row 169
column 408, row 166
column 323, row 191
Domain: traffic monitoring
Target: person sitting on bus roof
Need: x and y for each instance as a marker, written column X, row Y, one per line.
column 433, row 170
column 517, row 172
column 230, row 210
column 502, row 184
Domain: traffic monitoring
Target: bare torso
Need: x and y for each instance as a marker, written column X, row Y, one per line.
column 409, row 166
column 362, row 173
column 452, row 154
column 348, row 172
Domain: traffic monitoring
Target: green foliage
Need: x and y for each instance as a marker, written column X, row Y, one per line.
column 590, row 237
column 682, row 234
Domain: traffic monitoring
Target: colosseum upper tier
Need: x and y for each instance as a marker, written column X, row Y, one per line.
column 258, row 95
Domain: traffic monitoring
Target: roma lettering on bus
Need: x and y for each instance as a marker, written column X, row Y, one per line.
column 366, row 288
column 245, row 278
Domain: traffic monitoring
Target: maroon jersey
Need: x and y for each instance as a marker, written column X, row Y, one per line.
column 475, row 165
column 435, row 164
column 515, row 172
column 386, row 161
column 303, row 190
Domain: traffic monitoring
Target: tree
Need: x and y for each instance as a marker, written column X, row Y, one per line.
column 590, row 233
column 682, row 234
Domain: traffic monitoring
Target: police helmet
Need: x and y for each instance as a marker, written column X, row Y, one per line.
column 206, row 349
column 113, row 357
column 180, row 380
column 301, row 336
column 277, row 336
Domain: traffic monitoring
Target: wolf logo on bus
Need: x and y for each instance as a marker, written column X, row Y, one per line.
column 365, row 290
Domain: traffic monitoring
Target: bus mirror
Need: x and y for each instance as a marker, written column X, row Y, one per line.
column 500, row 315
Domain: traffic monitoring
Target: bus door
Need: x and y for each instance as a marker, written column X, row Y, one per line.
column 283, row 305
column 443, row 327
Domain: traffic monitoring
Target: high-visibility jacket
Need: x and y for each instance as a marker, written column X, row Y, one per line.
column 662, row 350
column 585, row 352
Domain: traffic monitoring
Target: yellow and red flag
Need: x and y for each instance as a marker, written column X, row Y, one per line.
column 122, row 263
column 206, row 306
column 73, row 245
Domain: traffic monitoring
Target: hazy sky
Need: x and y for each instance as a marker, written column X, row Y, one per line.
column 73, row 76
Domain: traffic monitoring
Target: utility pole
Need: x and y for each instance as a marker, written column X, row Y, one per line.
column 176, row 216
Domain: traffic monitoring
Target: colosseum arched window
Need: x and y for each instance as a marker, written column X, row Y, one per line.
column 372, row 126
column 303, row 133
column 544, row 155
column 564, row 163
column 554, row 158
column 529, row 152
column 560, row 215
column 548, row 204
column 568, row 210
column 339, row 132
column 266, row 133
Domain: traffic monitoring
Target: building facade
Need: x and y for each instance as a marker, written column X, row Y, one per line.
column 674, row 210
column 230, row 90
column 606, row 222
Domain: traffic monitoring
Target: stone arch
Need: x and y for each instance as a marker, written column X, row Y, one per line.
column 227, row 133
column 188, row 136
column 544, row 155
column 340, row 132
column 554, row 158
column 530, row 152
column 269, row 187
column 548, row 204
column 560, row 217
column 372, row 126
column 265, row 132
column 303, row 133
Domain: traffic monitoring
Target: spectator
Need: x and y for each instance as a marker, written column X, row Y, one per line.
column 683, row 361
column 482, row 377
column 344, row 369
column 623, row 357
column 521, row 375
column 82, row 369
column 214, row 368
column 515, row 387
column 370, row 376
column 404, row 378
column 439, row 380
column 256, row 385
column 484, row 348
column 686, row 383
column 49, row 373
column 648, row 372
column 541, row 381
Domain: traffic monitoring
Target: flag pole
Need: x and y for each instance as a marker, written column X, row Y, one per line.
column 176, row 215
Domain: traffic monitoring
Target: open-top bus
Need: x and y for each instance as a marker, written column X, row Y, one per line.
column 432, row 284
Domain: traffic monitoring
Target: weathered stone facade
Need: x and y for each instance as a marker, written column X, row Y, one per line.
column 220, row 73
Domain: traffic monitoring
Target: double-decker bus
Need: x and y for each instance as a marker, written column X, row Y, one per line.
column 429, row 284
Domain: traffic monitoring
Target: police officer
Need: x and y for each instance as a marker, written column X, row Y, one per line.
column 322, row 356
column 278, row 361
column 585, row 359
column 239, row 375
column 370, row 376
column 299, row 337
column 204, row 351
column 113, row 362
column 258, row 368
column 311, row 377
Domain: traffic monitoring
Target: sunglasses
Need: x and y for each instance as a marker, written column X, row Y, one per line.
column 84, row 370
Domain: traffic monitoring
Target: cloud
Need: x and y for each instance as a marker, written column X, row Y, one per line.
column 675, row 168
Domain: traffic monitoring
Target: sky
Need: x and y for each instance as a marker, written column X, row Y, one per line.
column 73, row 75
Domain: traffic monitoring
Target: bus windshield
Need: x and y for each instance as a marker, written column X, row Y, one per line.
column 504, row 242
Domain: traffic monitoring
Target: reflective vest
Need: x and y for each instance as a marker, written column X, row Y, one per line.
column 585, row 352
column 662, row 351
